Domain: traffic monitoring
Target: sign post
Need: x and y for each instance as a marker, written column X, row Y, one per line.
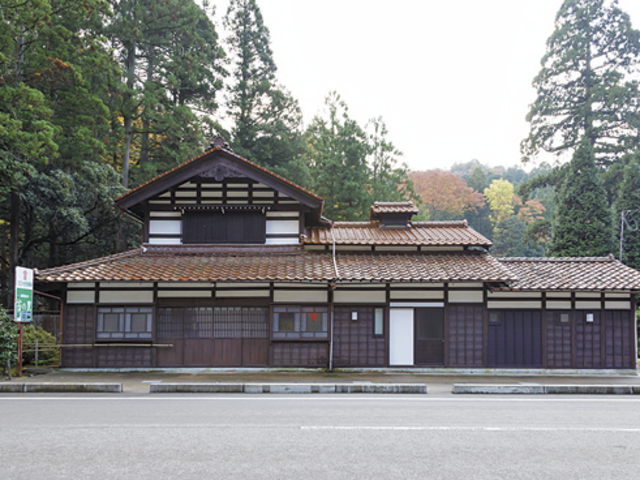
column 23, row 305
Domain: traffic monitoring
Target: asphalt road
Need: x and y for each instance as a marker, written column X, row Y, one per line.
column 301, row 437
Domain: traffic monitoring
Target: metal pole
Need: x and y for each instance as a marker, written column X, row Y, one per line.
column 19, row 365
column 36, row 352
column 621, row 233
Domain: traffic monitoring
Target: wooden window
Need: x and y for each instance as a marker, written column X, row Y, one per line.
column 132, row 323
column 299, row 322
column 241, row 322
column 494, row 318
column 562, row 319
column 228, row 227
column 208, row 322
column 378, row 324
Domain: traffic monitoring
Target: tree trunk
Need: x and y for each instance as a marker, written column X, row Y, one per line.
column 128, row 113
column 144, row 142
column 14, row 234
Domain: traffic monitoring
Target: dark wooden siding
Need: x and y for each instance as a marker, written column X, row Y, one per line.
column 354, row 342
column 213, row 336
column 78, row 328
column 300, row 354
column 119, row 357
column 228, row 227
column 588, row 340
column 465, row 336
column 516, row 341
column 619, row 348
column 559, row 344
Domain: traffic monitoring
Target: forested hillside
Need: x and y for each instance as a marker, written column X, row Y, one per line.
column 98, row 96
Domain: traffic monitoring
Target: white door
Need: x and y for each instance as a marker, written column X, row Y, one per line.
column 401, row 336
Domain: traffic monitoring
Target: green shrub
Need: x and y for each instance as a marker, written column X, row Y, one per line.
column 46, row 354
column 8, row 341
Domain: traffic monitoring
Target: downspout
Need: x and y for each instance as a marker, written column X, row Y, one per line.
column 332, row 286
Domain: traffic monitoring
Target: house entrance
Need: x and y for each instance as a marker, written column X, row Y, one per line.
column 416, row 335
column 213, row 336
column 429, row 336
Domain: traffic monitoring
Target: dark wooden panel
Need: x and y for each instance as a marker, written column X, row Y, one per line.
column 78, row 328
column 119, row 357
column 255, row 352
column 619, row 351
column 227, row 352
column 197, row 352
column 228, row 227
column 559, row 344
column 299, row 354
column 465, row 336
column 516, row 340
column 354, row 342
column 170, row 356
column 588, row 340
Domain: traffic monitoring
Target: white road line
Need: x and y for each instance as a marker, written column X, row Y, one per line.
column 474, row 429
column 325, row 398
column 383, row 428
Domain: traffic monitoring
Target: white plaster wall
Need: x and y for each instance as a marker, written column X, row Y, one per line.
column 354, row 296
column 465, row 297
column 80, row 297
column 300, row 296
column 119, row 296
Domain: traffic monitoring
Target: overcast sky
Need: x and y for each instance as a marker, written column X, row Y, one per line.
column 451, row 78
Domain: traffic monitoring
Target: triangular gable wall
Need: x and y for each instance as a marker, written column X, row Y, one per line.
column 214, row 188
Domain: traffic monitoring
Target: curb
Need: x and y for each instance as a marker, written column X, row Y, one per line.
column 413, row 388
column 64, row 387
column 501, row 389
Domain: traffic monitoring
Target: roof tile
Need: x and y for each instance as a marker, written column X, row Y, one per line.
column 419, row 233
column 571, row 274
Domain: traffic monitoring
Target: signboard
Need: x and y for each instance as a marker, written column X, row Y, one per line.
column 23, row 306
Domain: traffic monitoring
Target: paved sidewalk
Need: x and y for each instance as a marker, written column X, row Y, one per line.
column 138, row 382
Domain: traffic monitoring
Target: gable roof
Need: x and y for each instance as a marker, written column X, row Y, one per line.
column 418, row 233
column 571, row 274
column 219, row 157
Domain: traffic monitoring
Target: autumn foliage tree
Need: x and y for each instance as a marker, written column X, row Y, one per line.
column 502, row 199
column 444, row 196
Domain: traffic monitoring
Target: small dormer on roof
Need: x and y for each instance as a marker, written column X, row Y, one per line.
column 393, row 214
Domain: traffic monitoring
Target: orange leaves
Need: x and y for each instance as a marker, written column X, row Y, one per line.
column 445, row 196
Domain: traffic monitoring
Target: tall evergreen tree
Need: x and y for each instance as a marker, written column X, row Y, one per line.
column 51, row 114
column 389, row 180
column 585, row 87
column 581, row 224
column 171, row 66
column 338, row 150
column 267, row 119
column 629, row 199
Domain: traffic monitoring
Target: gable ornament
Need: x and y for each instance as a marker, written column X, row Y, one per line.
column 219, row 173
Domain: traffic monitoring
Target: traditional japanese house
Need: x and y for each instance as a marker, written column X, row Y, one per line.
column 238, row 268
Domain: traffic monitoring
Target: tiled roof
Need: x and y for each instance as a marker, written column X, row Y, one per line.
column 420, row 267
column 419, row 233
column 571, row 274
column 393, row 207
column 273, row 263
column 199, row 264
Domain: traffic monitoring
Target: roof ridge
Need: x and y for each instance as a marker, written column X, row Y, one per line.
column 444, row 223
column 609, row 258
